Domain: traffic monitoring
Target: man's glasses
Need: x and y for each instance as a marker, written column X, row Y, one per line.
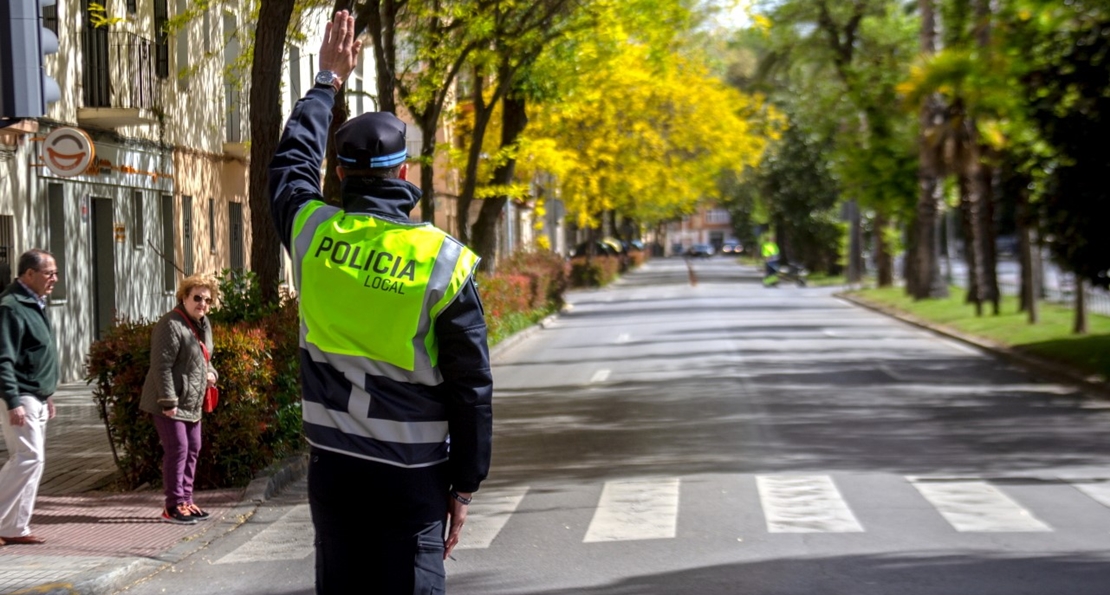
column 200, row 298
column 50, row 274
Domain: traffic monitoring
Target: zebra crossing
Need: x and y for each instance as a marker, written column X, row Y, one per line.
column 647, row 509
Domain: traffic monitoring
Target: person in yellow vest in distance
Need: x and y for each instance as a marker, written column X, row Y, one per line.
column 770, row 252
column 395, row 371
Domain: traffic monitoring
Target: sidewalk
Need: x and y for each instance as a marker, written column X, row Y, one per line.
column 98, row 542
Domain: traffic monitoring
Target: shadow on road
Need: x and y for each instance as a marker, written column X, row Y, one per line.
column 924, row 573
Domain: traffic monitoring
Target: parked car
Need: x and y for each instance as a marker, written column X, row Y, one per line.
column 700, row 251
column 731, row 247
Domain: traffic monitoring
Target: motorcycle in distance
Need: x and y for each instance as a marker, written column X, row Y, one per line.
column 789, row 272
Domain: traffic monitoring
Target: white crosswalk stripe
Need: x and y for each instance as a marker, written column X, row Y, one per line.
column 804, row 504
column 977, row 506
column 635, row 509
column 1099, row 492
column 487, row 515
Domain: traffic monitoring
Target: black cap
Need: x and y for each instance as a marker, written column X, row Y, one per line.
column 371, row 141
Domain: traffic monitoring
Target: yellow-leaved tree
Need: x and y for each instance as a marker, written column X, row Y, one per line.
column 643, row 134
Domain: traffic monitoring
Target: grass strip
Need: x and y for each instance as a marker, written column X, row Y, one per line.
column 1050, row 339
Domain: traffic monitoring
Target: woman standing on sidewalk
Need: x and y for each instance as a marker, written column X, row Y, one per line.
column 179, row 376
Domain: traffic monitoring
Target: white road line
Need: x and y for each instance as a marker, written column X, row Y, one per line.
column 977, row 506
column 635, row 509
column 622, row 338
column 599, row 376
column 1099, row 492
column 804, row 504
column 487, row 515
column 288, row 538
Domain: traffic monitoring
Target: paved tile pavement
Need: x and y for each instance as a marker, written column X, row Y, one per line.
column 99, row 541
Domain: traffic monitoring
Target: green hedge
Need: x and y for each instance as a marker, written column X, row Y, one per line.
column 597, row 271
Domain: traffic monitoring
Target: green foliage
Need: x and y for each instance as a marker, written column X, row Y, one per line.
column 240, row 298
column 528, row 286
column 547, row 273
column 802, row 199
column 597, row 271
column 118, row 363
column 1068, row 88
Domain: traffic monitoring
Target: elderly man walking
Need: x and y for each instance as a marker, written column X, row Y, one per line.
column 28, row 378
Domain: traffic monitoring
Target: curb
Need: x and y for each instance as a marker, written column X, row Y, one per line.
column 1045, row 369
column 111, row 577
column 512, row 340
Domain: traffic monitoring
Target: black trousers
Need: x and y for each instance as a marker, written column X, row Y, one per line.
column 379, row 528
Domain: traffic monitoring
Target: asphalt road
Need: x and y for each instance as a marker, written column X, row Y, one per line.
column 726, row 438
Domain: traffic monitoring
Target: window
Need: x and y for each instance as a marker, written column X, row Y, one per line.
column 132, row 7
column 56, row 199
column 717, row 216
column 7, row 250
column 212, row 225
column 162, row 39
column 187, row 233
column 138, row 218
column 169, row 270
column 235, row 235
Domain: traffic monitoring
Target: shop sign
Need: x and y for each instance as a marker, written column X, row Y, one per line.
column 68, row 152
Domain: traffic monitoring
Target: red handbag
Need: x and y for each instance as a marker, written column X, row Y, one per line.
column 211, row 399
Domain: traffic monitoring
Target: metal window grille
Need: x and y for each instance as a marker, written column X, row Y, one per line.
column 187, row 232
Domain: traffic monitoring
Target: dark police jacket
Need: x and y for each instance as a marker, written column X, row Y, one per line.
column 467, row 388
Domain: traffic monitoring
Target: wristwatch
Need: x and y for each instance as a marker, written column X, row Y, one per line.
column 329, row 78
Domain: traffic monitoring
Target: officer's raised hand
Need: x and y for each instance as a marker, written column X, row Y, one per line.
column 339, row 50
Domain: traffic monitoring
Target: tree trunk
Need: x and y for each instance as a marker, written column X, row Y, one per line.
column 482, row 115
column 855, row 259
column 972, row 198
column 265, row 126
column 514, row 119
column 884, row 263
column 927, row 279
column 1080, row 306
column 1029, row 282
column 381, row 20
column 969, row 203
column 909, row 263
column 988, row 240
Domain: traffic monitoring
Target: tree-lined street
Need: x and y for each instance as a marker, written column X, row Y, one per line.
column 659, row 437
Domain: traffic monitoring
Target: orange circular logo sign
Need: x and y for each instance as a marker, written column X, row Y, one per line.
column 68, row 152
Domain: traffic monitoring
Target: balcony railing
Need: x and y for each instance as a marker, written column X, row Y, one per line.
column 120, row 84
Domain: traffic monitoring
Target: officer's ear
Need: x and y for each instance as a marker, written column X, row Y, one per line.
column 403, row 173
column 339, row 171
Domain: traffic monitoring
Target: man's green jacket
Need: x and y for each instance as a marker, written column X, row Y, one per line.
column 28, row 355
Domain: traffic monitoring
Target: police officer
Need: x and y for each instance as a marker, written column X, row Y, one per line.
column 770, row 252
column 395, row 369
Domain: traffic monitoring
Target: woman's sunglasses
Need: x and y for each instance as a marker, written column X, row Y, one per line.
column 199, row 298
